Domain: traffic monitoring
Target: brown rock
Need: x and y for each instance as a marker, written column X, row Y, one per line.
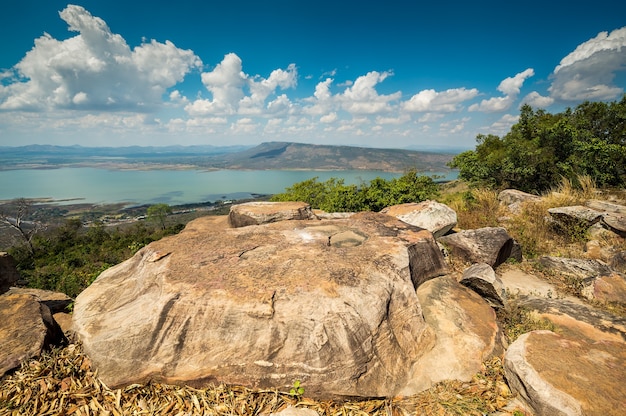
column 514, row 199
column 578, row 268
column 605, row 206
column 618, row 261
column 561, row 375
column 431, row 215
column 261, row 212
column 482, row 279
column 331, row 303
column 575, row 217
column 55, row 301
column 491, row 245
column 8, row 272
column 26, row 328
column 466, row 334
column 606, row 288
column 615, row 223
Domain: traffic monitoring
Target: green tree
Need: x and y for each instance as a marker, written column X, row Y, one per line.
column 158, row 213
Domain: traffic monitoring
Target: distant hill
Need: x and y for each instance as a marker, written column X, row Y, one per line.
column 285, row 155
column 271, row 155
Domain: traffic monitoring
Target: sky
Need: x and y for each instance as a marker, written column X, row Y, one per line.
column 392, row 74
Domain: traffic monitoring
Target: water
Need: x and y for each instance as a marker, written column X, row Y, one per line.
column 174, row 187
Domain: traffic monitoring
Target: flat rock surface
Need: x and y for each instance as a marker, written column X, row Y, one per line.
column 433, row 216
column 561, row 375
column 331, row 303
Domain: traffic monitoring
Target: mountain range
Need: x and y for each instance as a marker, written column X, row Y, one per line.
column 270, row 155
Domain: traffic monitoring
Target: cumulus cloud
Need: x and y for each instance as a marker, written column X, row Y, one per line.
column 534, row 99
column 445, row 101
column 503, row 125
column 588, row 72
column 362, row 97
column 95, row 70
column 235, row 92
column 510, row 87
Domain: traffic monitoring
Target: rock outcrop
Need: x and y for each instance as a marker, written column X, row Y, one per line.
column 329, row 302
column 433, row 216
column 482, row 279
column 491, row 245
column 26, row 329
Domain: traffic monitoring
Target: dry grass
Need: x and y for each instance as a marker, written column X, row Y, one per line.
column 62, row 383
column 478, row 208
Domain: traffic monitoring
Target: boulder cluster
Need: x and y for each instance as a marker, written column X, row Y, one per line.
column 351, row 305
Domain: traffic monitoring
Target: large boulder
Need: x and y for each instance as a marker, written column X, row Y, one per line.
column 466, row 331
column 574, row 219
column 491, row 245
column 560, row 375
column 577, row 268
column 513, row 199
column 433, row 216
column 8, row 272
column 26, row 329
column 331, row 303
column 262, row 212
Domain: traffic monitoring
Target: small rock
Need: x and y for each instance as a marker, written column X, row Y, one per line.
column 604, row 206
column 578, row 268
column 570, row 219
column 433, row 216
column 514, row 199
column 482, row 279
column 262, row 212
column 618, row 261
column 607, row 288
column 55, row 301
column 615, row 223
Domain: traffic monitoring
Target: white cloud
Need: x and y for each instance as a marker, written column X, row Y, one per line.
column 503, row 125
column 226, row 84
column 362, row 97
column 534, row 99
column 95, row 70
column 329, row 118
column 444, row 101
column 510, row 87
column 588, row 72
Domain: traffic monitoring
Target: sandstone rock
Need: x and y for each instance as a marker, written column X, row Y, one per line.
column 331, row 303
column 64, row 320
column 55, row 301
column 431, row 215
column 615, row 223
column 606, row 288
column 8, row 272
column 605, row 206
column 26, row 328
column 618, row 261
column 491, row 245
column 574, row 217
column 578, row 268
column 261, row 212
column 466, row 334
column 482, row 279
column 513, row 198
column 560, row 375
column 576, row 319
column 519, row 282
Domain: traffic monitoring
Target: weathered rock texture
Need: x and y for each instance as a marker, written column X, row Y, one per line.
column 466, row 334
column 482, row 279
column 331, row 303
column 55, row 301
column 514, row 199
column 260, row 212
column 561, row 375
column 433, row 216
column 26, row 328
column 491, row 245
column 574, row 217
column 8, row 272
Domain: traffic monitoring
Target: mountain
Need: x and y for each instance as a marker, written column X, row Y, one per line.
column 285, row 155
column 271, row 155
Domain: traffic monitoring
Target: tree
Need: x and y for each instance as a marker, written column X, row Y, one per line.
column 158, row 213
column 18, row 221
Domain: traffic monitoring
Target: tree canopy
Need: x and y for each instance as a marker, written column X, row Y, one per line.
column 542, row 148
column 334, row 195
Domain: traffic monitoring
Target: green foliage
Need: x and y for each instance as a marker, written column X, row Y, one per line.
column 335, row 196
column 542, row 148
column 70, row 257
column 297, row 389
column 158, row 213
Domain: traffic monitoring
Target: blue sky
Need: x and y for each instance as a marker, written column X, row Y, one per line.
column 387, row 74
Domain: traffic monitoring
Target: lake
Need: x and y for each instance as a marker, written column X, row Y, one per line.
column 173, row 187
